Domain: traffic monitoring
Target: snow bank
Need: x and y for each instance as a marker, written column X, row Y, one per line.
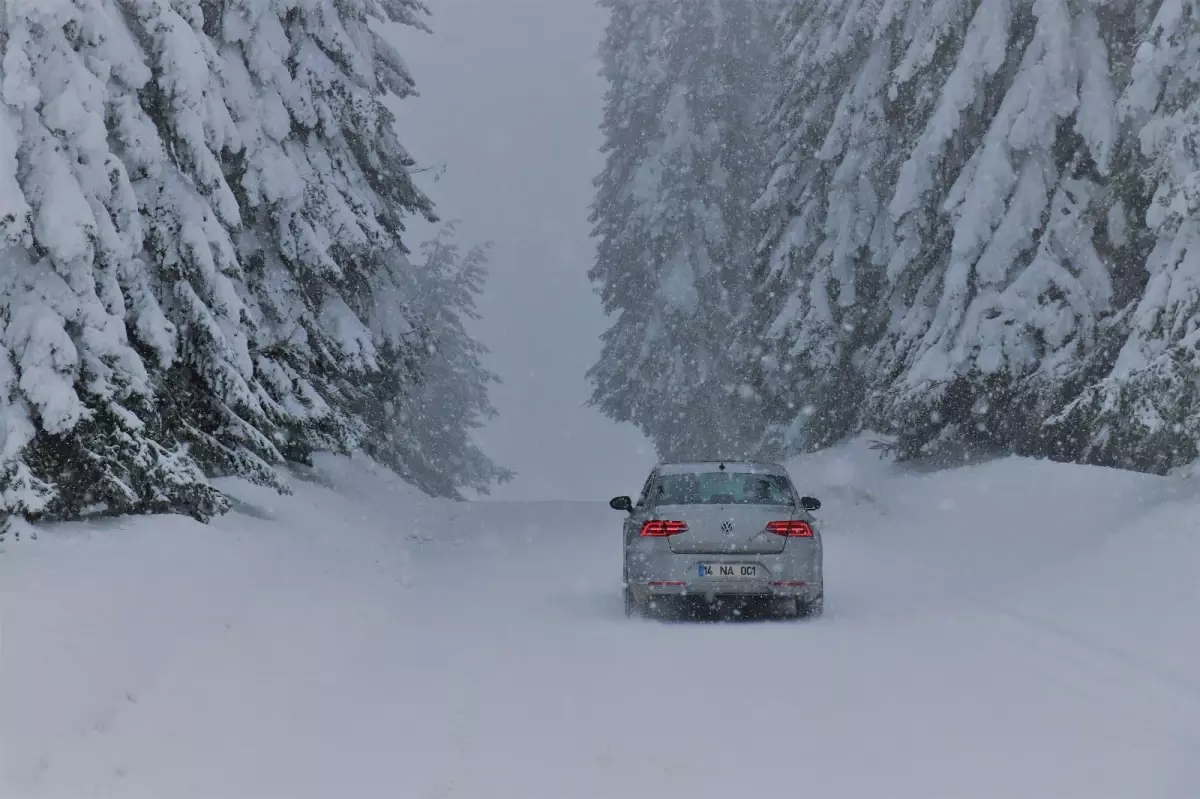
column 1100, row 562
column 1002, row 525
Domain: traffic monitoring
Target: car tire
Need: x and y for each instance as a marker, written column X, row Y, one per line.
column 811, row 609
column 787, row 608
column 631, row 605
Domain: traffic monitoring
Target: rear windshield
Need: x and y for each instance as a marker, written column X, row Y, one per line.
column 723, row 488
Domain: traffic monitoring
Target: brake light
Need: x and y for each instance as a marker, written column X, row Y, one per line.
column 660, row 528
column 791, row 529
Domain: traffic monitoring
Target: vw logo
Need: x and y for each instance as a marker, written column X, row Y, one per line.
column 727, row 528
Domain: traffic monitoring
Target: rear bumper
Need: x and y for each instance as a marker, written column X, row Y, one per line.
column 794, row 589
column 793, row 574
column 652, row 569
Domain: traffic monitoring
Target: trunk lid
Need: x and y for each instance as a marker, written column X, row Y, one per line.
column 726, row 529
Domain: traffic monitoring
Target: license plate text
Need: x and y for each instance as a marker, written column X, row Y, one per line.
column 731, row 571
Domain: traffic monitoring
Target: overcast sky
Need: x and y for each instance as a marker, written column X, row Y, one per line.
column 510, row 104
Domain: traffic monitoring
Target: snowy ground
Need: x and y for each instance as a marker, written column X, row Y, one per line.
column 1013, row 629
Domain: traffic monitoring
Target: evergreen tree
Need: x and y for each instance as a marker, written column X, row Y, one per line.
column 180, row 131
column 1144, row 411
column 852, row 93
column 671, row 216
column 81, row 430
column 324, row 184
column 1022, row 288
column 202, row 213
column 433, row 391
column 937, row 263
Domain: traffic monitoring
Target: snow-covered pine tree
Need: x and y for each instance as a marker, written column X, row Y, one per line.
column 352, row 344
column 853, row 92
column 301, row 184
column 839, row 271
column 687, row 81
column 201, row 199
column 1144, row 411
column 432, row 390
column 177, row 132
column 954, row 294
column 1015, row 299
column 81, row 433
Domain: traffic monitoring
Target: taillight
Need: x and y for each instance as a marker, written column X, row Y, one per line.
column 791, row 529
column 660, row 528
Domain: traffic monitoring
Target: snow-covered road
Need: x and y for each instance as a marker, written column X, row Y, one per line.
column 301, row 651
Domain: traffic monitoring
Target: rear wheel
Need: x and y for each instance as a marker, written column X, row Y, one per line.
column 785, row 608
column 631, row 606
column 811, row 609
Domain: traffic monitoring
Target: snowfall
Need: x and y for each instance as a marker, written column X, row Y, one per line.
column 1014, row 628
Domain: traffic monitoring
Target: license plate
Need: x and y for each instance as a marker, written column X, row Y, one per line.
column 729, row 571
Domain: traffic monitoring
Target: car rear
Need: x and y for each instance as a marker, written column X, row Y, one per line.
column 764, row 547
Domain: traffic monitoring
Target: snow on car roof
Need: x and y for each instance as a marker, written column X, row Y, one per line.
column 744, row 467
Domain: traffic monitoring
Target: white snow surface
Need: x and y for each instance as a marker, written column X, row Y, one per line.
column 1008, row 629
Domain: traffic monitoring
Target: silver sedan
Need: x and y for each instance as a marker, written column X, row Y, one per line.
column 723, row 532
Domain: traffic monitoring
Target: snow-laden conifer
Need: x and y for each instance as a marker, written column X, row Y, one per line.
column 1018, row 292
column 672, row 218
column 432, row 389
column 936, row 261
column 849, row 101
column 82, row 432
column 1144, row 411
column 202, row 203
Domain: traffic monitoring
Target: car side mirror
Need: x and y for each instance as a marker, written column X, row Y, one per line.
column 621, row 503
column 810, row 503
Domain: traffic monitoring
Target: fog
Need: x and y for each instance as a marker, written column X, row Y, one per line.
column 506, row 126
